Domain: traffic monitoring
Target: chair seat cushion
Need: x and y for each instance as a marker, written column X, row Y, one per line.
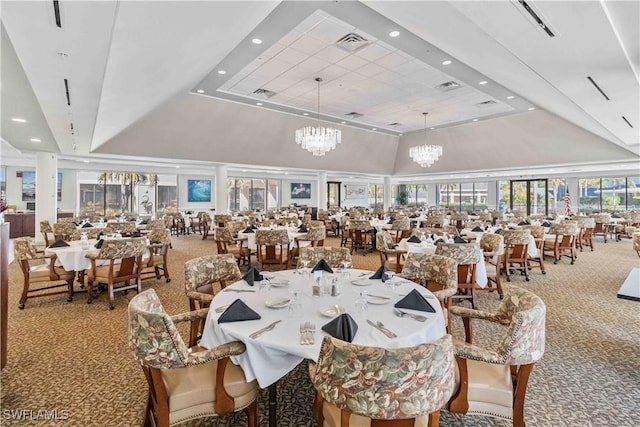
column 332, row 414
column 490, row 389
column 192, row 390
column 40, row 272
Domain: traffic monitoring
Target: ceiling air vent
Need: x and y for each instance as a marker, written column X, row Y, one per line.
column 627, row 122
column 66, row 90
column 352, row 42
column 353, row 115
column 263, row 93
column 533, row 14
column 394, row 124
column 447, row 86
column 485, row 104
column 56, row 13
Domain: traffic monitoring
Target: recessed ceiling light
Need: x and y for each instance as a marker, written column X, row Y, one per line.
column 350, row 177
column 86, row 161
column 286, row 173
column 305, row 114
column 343, row 122
column 374, row 128
column 222, row 72
column 35, row 140
column 394, row 33
column 484, row 82
column 530, row 108
column 510, row 97
column 400, row 134
column 432, row 128
column 447, row 62
column 19, row 120
column 200, row 91
column 256, row 41
column 177, row 167
column 474, row 120
column 258, row 103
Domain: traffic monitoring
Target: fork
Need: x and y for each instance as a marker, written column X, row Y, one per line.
column 417, row 317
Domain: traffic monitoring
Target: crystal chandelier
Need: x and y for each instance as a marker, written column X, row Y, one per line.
column 427, row 154
column 318, row 140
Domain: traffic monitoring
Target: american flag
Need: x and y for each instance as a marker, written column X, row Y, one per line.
column 567, row 204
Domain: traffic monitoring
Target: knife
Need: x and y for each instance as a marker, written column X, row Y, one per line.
column 385, row 331
column 259, row 332
column 238, row 290
column 379, row 296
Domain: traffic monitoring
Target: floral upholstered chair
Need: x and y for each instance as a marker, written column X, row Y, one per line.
column 636, row 242
column 367, row 386
column 272, row 247
column 185, row 383
column 315, row 236
column 228, row 245
column 47, row 232
column 494, row 381
column 156, row 266
column 123, row 259
column 335, row 257
column 516, row 254
column 203, row 278
column 38, row 269
column 63, row 230
column 537, row 261
column 492, row 246
column 437, row 273
column 467, row 255
column 566, row 233
column 401, row 228
column 220, row 220
column 390, row 255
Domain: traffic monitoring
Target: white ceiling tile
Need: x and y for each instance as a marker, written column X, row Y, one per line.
column 391, row 61
column 332, row 54
column 292, row 56
column 314, row 64
column 408, row 67
column 372, row 52
column 370, row 70
column 332, row 72
column 308, row 44
column 328, row 32
column 345, row 25
column 352, row 62
column 290, row 37
column 386, row 76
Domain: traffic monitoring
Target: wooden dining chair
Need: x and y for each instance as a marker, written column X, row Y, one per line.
column 516, row 255
column 40, row 275
column 467, row 255
column 492, row 246
column 185, row 383
column 227, row 244
column 493, row 381
column 123, row 267
column 272, row 247
column 335, row 257
column 372, row 386
column 204, row 277
column 390, row 256
column 564, row 242
column 157, row 266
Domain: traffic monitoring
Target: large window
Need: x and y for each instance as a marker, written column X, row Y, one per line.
column 376, row 196
column 91, row 198
column 597, row 194
column 463, row 197
column 167, row 198
column 410, row 194
column 251, row 194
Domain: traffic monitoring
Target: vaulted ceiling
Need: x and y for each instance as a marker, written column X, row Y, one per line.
column 181, row 81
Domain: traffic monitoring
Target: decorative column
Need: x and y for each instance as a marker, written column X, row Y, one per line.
column 46, row 190
column 222, row 196
column 322, row 190
column 386, row 200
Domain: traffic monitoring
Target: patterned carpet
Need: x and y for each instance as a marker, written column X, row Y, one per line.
column 73, row 357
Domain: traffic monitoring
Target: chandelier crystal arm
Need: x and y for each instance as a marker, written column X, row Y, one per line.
column 318, row 140
column 427, row 154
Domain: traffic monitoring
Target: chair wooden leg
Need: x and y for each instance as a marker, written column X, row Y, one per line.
column 522, row 379
column 434, row 419
column 110, row 296
column 252, row 414
column 89, row 292
column 70, row 290
column 25, row 292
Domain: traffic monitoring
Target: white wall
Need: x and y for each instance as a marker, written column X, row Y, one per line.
column 286, row 192
column 14, row 188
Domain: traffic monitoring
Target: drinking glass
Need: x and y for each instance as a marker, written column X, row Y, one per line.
column 361, row 306
column 265, row 285
column 389, row 280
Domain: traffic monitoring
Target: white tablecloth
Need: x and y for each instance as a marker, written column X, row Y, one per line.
column 277, row 352
column 72, row 257
column 532, row 249
column 292, row 232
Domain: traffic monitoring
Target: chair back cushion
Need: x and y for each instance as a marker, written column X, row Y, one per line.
column 333, row 256
column 160, row 236
column 122, row 248
column 210, row 269
column 384, row 241
column 491, row 242
column 24, row 248
column 433, row 268
column 272, row 237
column 516, row 237
column 463, row 253
column 381, row 383
column 153, row 337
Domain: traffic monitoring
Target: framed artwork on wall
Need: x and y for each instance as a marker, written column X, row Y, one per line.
column 300, row 190
column 356, row 192
column 199, row 190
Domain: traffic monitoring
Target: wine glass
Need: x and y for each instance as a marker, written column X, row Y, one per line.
column 388, row 276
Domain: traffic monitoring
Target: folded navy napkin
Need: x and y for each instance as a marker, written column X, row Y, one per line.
column 459, row 239
column 238, row 311
column 99, row 244
column 136, row 234
column 99, row 236
column 498, row 231
column 322, row 266
column 390, row 221
column 415, row 301
column 248, row 230
column 549, row 218
column 546, row 224
column 144, row 221
column 413, row 239
column 615, row 216
column 477, row 229
column 523, row 223
column 302, row 229
column 252, row 275
column 379, row 274
column 253, row 227
column 87, row 225
column 342, row 327
column 59, row 244
column 413, row 216
column 440, row 240
column 76, row 223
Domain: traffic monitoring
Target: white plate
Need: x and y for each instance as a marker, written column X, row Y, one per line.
column 278, row 282
column 333, row 312
column 363, row 282
column 377, row 300
column 277, row 302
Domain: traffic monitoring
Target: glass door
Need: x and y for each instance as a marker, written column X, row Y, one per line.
column 529, row 197
column 333, row 194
